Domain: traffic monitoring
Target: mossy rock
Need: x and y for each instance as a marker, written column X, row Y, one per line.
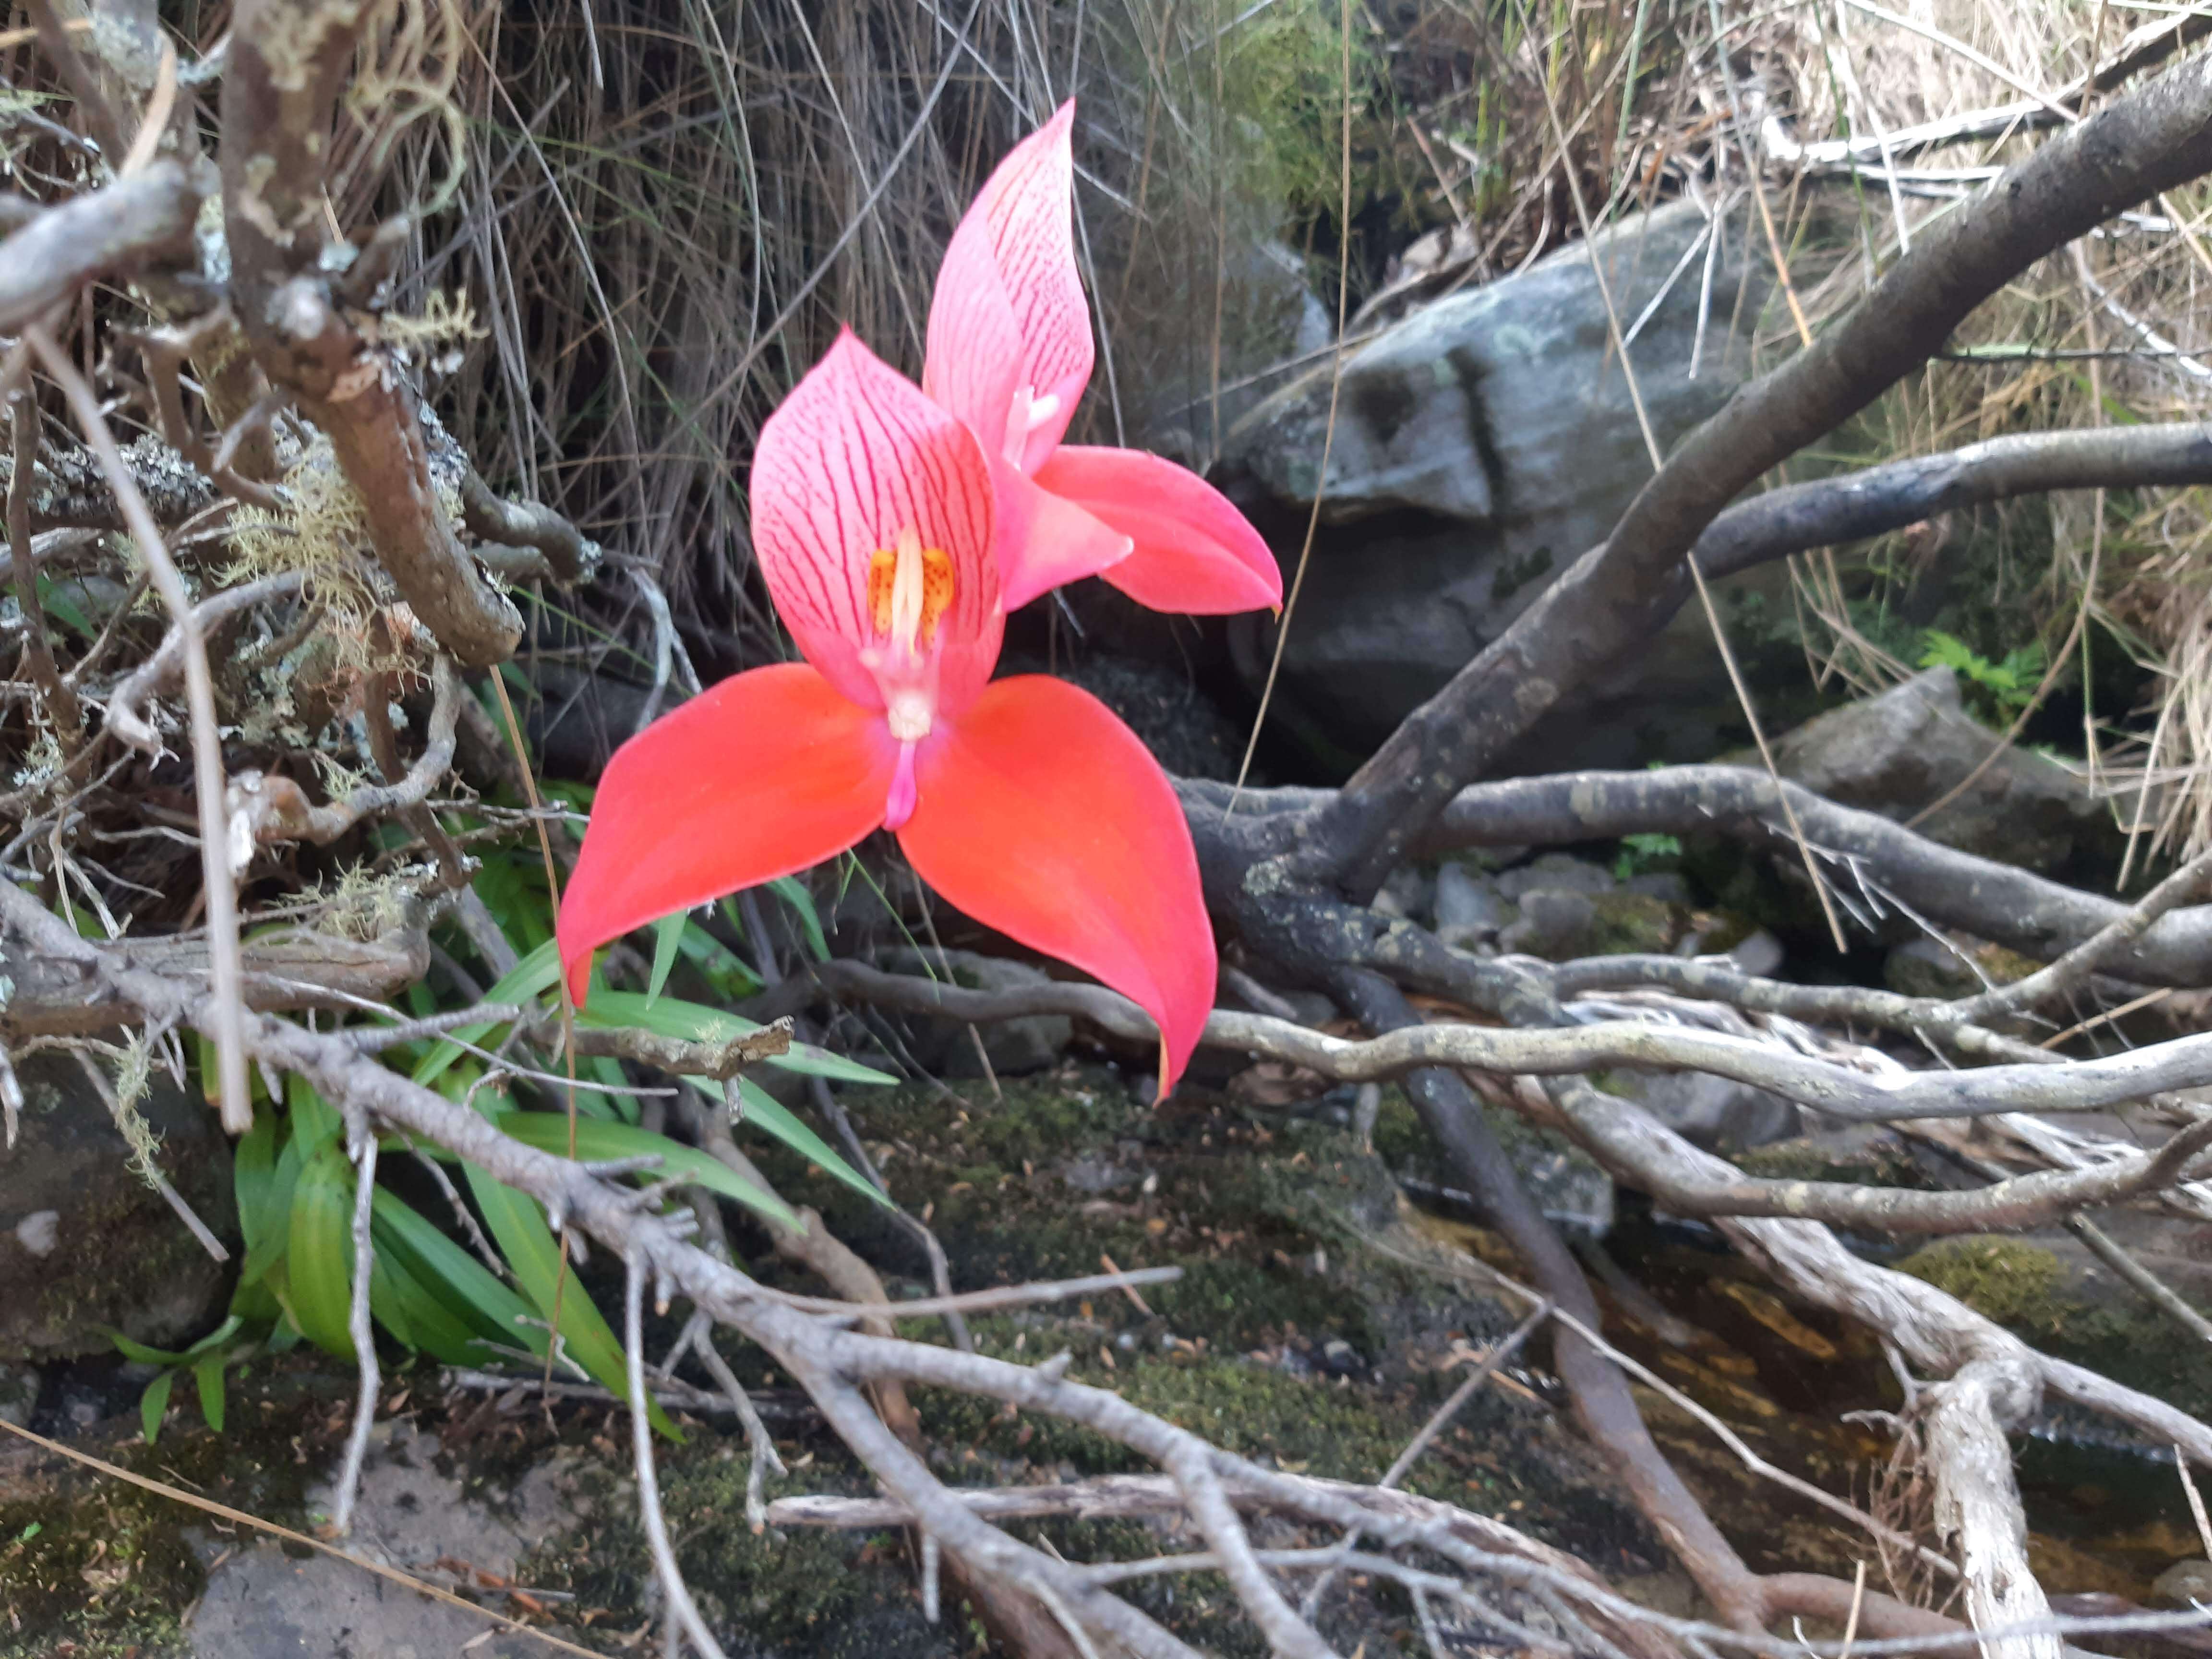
column 2054, row 1296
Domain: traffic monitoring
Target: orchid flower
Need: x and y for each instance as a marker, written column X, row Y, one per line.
column 1024, row 803
column 1010, row 353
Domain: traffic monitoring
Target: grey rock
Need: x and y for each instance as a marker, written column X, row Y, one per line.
column 1758, row 954
column 2184, row 1583
column 1558, row 873
column 1715, row 1113
column 18, row 1394
column 1408, row 893
column 1470, row 908
column 260, row 1603
column 1899, row 753
column 1015, row 1045
column 1667, row 885
column 84, row 1242
column 1482, row 444
column 1553, row 924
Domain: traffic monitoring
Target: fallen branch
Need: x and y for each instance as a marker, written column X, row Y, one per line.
column 143, row 219
column 1858, row 1095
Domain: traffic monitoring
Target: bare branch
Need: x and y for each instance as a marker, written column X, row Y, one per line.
column 282, row 969
column 160, row 669
column 276, row 125
column 278, row 810
column 1861, row 1095
column 1826, row 512
column 221, row 897
column 135, row 222
column 358, row 1323
column 682, row 1610
column 569, row 555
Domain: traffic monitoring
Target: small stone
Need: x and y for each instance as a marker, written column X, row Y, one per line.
column 1756, row 955
column 2183, row 1583
column 1669, row 885
column 1408, row 894
column 1470, row 910
column 1557, row 872
column 1557, row 926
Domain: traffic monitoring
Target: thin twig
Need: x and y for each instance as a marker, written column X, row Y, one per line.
column 682, row 1608
column 224, row 970
column 358, row 1323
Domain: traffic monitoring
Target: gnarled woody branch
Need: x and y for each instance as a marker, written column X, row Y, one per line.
column 287, row 60
column 2014, row 907
column 286, row 968
column 1615, row 596
column 278, row 810
column 832, row 1363
column 1823, row 512
column 144, row 219
column 1570, row 1049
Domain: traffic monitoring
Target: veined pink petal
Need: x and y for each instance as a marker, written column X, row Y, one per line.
column 1045, row 540
column 1194, row 552
column 1010, row 349
column 769, row 773
column 855, row 455
column 1043, row 817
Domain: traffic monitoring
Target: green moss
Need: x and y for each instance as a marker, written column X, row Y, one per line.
column 2003, row 1279
column 837, row 1594
column 2092, row 1321
column 1628, row 924
column 1875, row 1161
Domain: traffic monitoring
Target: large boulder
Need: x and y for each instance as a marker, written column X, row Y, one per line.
column 1481, row 444
column 1900, row 753
column 84, row 1242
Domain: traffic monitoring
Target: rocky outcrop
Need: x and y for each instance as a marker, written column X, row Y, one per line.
column 85, row 1243
column 1481, row 444
column 1900, row 753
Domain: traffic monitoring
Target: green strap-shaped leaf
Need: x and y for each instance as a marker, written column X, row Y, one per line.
column 667, row 934
column 793, row 891
column 208, row 1375
column 253, row 1174
column 412, row 1312
column 597, row 1141
column 138, row 1352
column 771, row 1117
column 315, row 1123
column 692, row 1022
column 529, row 1246
column 153, row 1405
column 487, row 1304
column 264, row 1253
column 318, row 1261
